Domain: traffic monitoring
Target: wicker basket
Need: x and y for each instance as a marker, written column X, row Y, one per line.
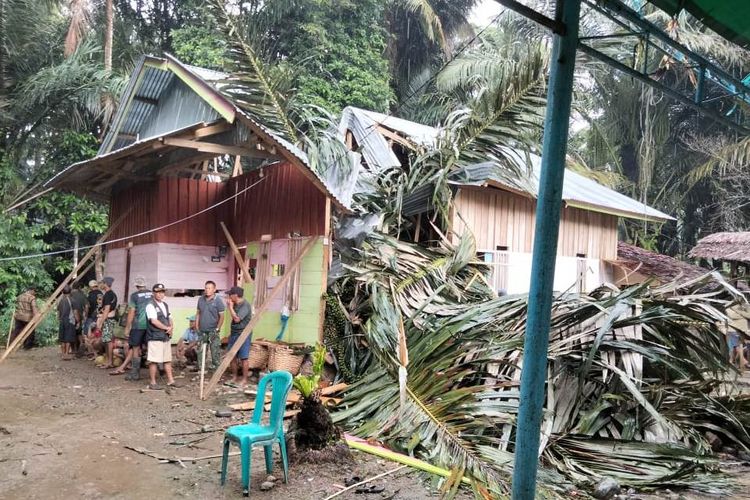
column 259, row 354
column 281, row 357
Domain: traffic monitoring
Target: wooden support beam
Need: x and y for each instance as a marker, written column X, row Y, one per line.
column 237, row 170
column 237, row 255
column 185, row 162
column 192, row 173
column 217, row 128
column 206, row 147
column 275, row 291
column 396, row 138
column 46, row 307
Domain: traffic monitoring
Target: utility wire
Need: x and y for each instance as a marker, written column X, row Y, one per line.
column 136, row 235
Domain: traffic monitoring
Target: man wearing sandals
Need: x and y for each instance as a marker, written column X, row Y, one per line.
column 209, row 317
column 159, row 333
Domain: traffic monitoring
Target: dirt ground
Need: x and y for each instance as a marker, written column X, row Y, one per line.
column 65, row 425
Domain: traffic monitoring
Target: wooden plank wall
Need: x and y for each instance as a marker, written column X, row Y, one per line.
column 283, row 202
column 499, row 218
column 170, row 199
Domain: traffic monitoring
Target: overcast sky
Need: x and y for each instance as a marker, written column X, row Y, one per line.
column 485, row 12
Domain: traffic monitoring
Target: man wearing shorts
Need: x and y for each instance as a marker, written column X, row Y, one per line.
column 106, row 320
column 239, row 310
column 135, row 329
column 159, row 332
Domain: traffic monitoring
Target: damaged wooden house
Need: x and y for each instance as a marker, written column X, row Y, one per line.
column 501, row 212
column 179, row 160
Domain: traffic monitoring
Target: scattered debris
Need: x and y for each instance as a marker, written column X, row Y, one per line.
column 606, row 489
column 177, row 460
column 370, row 489
column 223, row 413
column 5, row 431
column 267, row 485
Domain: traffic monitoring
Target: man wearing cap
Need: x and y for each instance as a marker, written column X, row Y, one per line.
column 159, row 332
column 92, row 308
column 210, row 317
column 106, row 320
column 239, row 310
column 187, row 348
column 25, row 311
column 135, row 329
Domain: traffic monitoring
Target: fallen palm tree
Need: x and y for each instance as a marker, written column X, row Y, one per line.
column 633, row 374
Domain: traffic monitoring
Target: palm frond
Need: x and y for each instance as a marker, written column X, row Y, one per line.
column 257, row 86
column 628, row 371
column 734, row 153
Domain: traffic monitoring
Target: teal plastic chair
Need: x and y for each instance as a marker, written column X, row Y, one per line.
column 254, row 433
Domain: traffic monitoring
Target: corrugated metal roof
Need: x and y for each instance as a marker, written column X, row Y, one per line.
column 422, row 135
column 372, row 145
column 150, row 79
column 578, row 190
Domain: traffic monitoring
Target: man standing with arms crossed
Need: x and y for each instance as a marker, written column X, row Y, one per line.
column 210, row 317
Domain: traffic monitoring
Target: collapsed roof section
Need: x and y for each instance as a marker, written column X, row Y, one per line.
column 373, row 131
column 173, row 121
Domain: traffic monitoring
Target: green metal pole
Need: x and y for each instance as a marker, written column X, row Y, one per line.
column 536, row 341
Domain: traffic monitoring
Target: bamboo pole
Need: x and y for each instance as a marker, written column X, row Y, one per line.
column 12, row 323
column 249, row 328
column 204, row 348
column 52, row 298
column 379, row 451
column 237, row 254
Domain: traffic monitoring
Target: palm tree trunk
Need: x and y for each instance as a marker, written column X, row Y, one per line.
column 108, row 36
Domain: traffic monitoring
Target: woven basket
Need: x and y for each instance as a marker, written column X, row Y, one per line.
column 282, row 357
column 259, row 354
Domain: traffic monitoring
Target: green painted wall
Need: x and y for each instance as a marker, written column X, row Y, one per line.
column 304, row 323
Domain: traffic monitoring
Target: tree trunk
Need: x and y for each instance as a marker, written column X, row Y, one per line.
column 75, row 254
column 108, row 36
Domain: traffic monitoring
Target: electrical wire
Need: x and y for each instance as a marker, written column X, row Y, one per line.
column 136, row 235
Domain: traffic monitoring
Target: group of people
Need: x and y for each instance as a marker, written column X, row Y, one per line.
column 89, row 321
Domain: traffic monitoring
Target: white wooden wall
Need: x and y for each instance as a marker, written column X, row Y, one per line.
column 176, row 266
column 512, row 271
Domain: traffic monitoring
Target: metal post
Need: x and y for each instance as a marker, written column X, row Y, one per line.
column 534, row 373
